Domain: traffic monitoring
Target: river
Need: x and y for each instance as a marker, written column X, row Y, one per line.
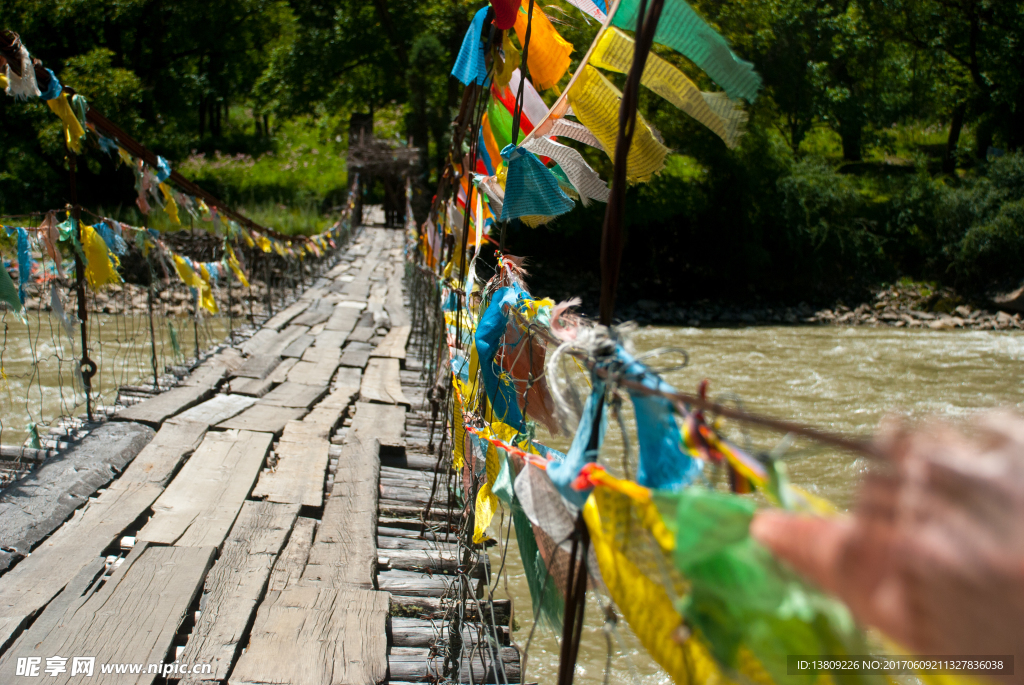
column 843, row 379
column 38, row 383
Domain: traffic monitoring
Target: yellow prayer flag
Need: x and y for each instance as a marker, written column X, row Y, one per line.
column 73, row 131
column 595, row 102
column 100, row 263
column 725, row 117
column 236, row 267
column 170, row 206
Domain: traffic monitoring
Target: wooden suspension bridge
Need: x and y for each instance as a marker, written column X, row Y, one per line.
column 267, row 520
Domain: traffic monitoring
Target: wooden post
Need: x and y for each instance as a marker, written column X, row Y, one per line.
column 87, row 365
column 152, row 328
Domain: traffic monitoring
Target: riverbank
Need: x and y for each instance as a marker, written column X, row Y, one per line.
column 901, row 305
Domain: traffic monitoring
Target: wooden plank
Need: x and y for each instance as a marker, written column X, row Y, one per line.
column 426, row 560
column 34, row 506
column 411, row 460
column 361, row 334
column 258, row 366
column 344, row 553
column 260, row 342
column 284, row 338
column 319, row 372
column 254, row 387
column 389, row 543
column 344, row 318
column 155, row 410
column 39, row 577
column 331, row 339
column 317, row 636
column 381, row 383
column 214, row 410
column 280, row 374
column 297, row 346
column 394, row 343
column 299, row 474
column 295, row 395
column 417, row 666
column 381, row 421
column 235, row 584
column 289, row 566
column 356, row 354
column 201, row 503
column 318, row 312
column 132, row 618
column 435, row 607
column 265, row 418
column 278, row 321
column 418, row 632
column 414, row 584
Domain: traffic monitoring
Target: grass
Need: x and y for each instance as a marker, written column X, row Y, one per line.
column 305, row 165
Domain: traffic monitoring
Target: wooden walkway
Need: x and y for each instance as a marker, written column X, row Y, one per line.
column 265, row 517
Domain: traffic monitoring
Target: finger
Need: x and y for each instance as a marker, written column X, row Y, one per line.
column 812, row 546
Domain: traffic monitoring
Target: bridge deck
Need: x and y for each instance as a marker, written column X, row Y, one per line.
column 272, row 527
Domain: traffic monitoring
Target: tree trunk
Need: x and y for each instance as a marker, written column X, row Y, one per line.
column 955, row 126
column 851, row 131
column 202, row 117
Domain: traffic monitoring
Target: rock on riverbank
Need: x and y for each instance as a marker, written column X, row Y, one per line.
column 898, row 306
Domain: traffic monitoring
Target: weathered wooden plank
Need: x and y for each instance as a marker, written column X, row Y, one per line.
column 406, row 475
column 280, row 374
column 285, row 338
column 427, row 560
column 345, row 317
column 278, row 321
column 412, row 460
column 254, row 387
column 210, row 372
column 39, row 577
column 156, row 409
column 265, row 418
column 417, row 666
column 361, row 334
column 384, row 422
column 297, row 346
column 344, row 553
column 394, row 343
column 131, row 619
column 389, row 543
column 381, row 383
column 36, row 505
column 260, row 341
column 299, row 474
column 289, row 566
column 317, row 636
column 214, row 410
column 418, row 632
column 320, row 368
column 290, row 394
column 202, row 502
column 435, row 607
column 235, row 584
column 331, row 339
column 414, row 584
column 356, row 354
column 258, row 366
column 318, row 312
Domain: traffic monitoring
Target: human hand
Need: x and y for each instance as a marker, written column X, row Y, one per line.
column 933, row 553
